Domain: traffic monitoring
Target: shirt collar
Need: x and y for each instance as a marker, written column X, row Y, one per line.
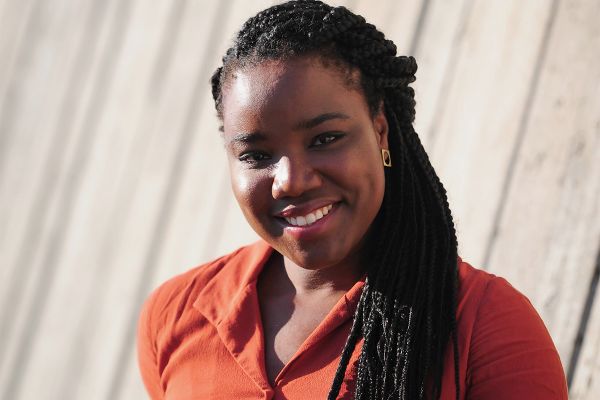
column 229, row 301
column 238, row 271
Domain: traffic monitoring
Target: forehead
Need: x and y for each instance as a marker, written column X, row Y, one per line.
column 281, row 92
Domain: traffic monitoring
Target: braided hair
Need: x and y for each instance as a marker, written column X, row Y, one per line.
column 406, row 314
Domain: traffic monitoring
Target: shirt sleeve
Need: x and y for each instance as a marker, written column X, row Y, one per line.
column 146, row 351
column 511, row 354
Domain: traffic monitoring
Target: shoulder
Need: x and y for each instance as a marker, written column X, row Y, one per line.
column 478, row 287
column 484, row 296
column 168, row 315
column 505, row 342
column 488, row 304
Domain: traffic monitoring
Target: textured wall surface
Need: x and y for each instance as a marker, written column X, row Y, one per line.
column 113, row 178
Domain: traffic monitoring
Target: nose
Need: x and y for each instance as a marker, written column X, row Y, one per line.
column 293, row 177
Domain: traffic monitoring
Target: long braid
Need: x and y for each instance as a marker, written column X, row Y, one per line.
column 406, row 314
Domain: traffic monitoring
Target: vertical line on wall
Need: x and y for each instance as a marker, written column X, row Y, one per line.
column 166, row 208
column 416, row 37
column 166, row 49
column 449, row 72
column 74, row 172
column 23, row 39
column 47, row 187
column 79, row 352
column 216, row 226
column 24, row 46
column 583, row 322
column 523, row 124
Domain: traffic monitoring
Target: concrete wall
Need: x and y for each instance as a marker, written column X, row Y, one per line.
column 112, row 176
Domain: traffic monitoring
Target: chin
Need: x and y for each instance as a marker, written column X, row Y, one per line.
column 315, row 257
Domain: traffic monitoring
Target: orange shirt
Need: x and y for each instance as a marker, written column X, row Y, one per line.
column 200, row 337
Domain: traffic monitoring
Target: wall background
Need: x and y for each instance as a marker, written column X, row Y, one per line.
column 112, row 177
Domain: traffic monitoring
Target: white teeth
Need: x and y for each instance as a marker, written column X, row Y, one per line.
column 309, row 218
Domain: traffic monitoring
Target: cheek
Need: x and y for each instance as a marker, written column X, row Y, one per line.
column 376, row 186
column 366, row 169
column 243, row 186
column 249, row 190
column 369, row 178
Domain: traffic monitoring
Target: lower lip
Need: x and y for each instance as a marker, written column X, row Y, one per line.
column 310, row 231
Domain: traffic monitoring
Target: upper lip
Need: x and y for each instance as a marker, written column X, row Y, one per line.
column 297, row 210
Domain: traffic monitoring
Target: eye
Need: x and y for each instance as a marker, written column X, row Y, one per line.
column 327, row 138
column 253, row 157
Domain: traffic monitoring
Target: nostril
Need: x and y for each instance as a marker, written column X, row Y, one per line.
column 293, row 177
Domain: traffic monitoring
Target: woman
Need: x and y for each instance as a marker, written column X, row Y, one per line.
column 356, row 290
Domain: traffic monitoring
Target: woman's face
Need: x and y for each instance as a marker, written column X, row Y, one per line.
column 305, row 158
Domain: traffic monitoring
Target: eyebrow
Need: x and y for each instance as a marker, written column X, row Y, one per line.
column 256, row 137
column 248, row 138
column 311, row 123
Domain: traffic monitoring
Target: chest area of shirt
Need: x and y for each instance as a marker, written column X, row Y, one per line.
column 204, row 366
column 285, row 331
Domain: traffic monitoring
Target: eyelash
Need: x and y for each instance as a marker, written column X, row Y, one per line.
column 247, row 157
column 250, row 156
column 335, row 135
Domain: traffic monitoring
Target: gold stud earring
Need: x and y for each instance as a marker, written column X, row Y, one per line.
column 387, row 159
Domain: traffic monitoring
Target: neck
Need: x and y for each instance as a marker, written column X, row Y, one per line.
column 301, row 281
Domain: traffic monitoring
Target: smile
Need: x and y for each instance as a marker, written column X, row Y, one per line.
column 310, row 218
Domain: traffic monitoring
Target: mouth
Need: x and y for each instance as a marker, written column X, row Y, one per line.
column 310, row 218
column 310, row 225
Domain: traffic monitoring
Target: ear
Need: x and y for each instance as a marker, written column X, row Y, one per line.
column 380, row 124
